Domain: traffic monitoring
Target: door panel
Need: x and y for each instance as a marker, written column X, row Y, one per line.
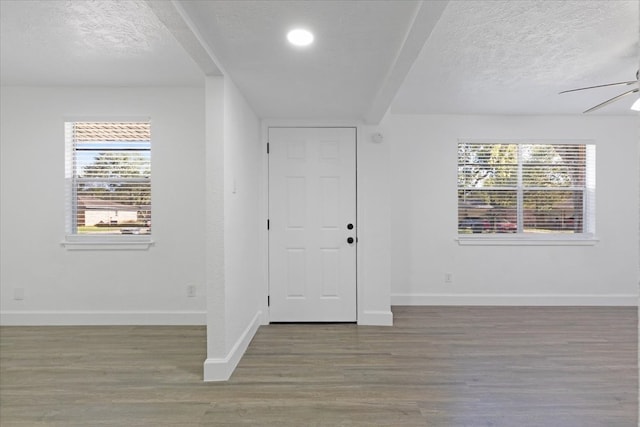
column 312, row 198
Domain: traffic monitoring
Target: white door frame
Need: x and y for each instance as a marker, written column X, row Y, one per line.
column 355, row 200
column 265, row 133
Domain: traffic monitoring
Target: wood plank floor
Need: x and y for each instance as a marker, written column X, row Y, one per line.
column 437, row 366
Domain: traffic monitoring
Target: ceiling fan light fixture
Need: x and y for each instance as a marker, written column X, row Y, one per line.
column 300, row 37
column 636, row 89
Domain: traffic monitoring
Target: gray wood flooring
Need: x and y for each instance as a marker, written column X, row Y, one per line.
column 437, row 366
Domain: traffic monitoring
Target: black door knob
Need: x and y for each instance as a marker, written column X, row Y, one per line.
column 349, row 226
column 349, row 240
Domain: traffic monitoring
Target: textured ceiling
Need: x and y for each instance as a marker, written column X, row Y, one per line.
column 475, row 57
column 81, row 42
column 513, row 57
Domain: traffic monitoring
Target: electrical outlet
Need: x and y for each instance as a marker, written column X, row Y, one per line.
column 18, row 294
column 448, row 277
column 191, row 291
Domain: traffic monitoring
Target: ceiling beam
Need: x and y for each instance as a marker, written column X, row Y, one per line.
column 178, row 22
column 427, row 15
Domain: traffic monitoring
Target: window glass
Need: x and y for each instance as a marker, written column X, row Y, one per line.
column 109, row 172
column 526, row 188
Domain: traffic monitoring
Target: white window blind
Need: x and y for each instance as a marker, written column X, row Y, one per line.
column 108, row 169
column 526, row 188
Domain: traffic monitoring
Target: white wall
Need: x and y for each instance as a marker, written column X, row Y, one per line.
column 374, row 228
column 236, row 284
column 246, row 286
column 100, row 287
column 424, row 220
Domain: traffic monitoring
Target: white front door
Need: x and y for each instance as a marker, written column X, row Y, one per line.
column 312, row 224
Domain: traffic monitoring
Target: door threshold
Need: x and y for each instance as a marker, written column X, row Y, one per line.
column 314, row 323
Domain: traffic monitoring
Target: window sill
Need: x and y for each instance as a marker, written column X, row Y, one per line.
column 107, row 243
column 526, row 241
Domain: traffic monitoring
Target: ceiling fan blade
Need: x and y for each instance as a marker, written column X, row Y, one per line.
column 593, row 87
column 609, row 101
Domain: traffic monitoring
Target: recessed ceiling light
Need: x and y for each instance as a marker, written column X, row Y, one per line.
column 300, row 37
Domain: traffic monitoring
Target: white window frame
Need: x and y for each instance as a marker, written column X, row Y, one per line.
column 586, row 238
column 72, row 240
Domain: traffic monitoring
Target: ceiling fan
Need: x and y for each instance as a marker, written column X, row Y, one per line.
column 615, row 98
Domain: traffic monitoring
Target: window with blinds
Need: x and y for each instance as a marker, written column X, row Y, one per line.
column 526, row 188
column 108, row 169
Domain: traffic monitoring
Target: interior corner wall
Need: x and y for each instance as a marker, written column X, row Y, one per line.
column 246, row 286
column 100, row 287
column 236, row 287
column 424, row 220
column 214, row 225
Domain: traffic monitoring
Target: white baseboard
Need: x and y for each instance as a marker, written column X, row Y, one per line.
column 100, row 318
column 376, row 318
column 220, row 369
column 516, row 300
